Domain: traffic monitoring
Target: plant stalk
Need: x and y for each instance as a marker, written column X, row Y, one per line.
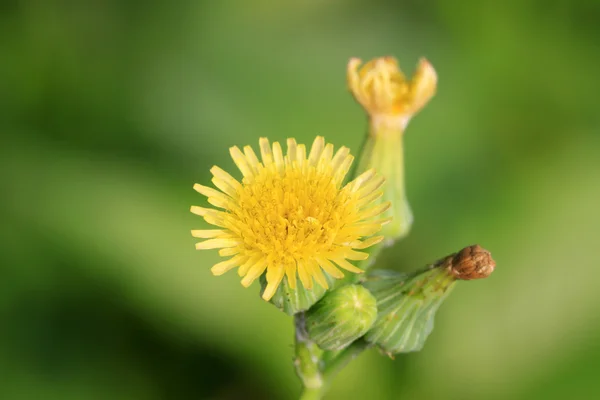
column 317, row 368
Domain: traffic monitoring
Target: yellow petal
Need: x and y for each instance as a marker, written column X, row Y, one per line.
column 370, row 186
column 278, row 157
column 347, row 266
column 363, row 244
column 229, row 251
column 360, row 180
column 305, row 276
column 216, row 244
column 301, row 157
column 201, row 211
column 225, row 187
column 240, row 160
column 208, row 191
column 252, row 159
column 290, row 271
column 342, row 169
column 245, row 267
column 368, row 199
column 330, row 268
column 224, row 266
column 265, row 151
column 373, row 211
column 254, row 272
column 316, row 150
column 317, row 273
column 292, row 150
column 224, row 176
column 423, row 85
column 325, row 158
column 223, row 202
column 274, row 277
column 340, row 156
column 363, row 229
column 355, row 255
column 208, row 233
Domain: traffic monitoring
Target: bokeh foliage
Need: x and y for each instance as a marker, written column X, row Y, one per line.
column 111, row 110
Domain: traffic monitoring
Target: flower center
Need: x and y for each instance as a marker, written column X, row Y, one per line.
column 291, row 215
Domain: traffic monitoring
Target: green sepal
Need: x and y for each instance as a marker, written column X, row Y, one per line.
column 406, row 305
column 383, row 150
column 292, row 301
column 342, row 316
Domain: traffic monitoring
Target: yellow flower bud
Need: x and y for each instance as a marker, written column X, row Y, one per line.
column 390, row 100
column 383, row 90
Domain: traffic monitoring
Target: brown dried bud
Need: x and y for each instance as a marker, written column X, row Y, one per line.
column 473, row 262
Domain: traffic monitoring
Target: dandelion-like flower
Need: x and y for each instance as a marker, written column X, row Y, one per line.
column 290, row 215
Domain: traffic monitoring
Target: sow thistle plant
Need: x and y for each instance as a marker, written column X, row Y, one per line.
column 295, row 225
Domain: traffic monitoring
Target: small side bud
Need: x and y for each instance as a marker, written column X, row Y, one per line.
column 407, row 303
column 341, row 317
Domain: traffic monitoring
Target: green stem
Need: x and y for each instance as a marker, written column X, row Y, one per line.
column 338, row 363
column 308, row 356
column 311, row 394
column 316, row 368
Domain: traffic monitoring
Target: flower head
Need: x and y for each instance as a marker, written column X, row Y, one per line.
column 383, row 90
column 290, row 215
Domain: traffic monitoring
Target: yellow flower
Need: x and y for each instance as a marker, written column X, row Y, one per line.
column 290, row 215
column 382, row 89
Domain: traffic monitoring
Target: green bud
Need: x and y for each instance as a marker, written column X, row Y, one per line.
column 407, row 303
column 341, row 317
column 292, row 301
column 407, row 306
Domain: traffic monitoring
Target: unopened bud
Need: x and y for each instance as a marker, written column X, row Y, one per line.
column 341, row 317
column 407, row 303
column 473, row 262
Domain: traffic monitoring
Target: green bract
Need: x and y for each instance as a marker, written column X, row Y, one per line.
column 292, row 301
column 406, row 305
column 384, row 151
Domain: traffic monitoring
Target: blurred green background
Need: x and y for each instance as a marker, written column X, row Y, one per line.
column 111, row 110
